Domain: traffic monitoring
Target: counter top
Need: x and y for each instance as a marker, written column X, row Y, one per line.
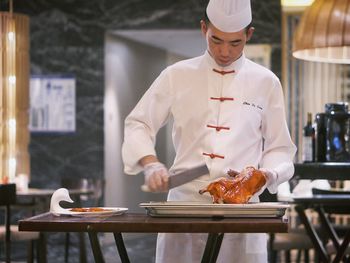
column 326, row 170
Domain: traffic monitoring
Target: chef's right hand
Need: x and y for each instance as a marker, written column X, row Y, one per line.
column 156, row 177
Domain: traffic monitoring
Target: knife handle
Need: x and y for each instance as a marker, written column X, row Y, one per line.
column 145, row 188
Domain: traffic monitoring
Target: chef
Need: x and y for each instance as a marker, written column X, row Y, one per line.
column 228, row 112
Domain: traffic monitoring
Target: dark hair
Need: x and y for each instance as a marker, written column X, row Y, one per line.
column 207, row 22
column 206, row 18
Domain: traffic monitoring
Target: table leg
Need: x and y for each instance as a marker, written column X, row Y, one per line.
column 42, row 248
column 95, row 245
column 342, row 249
column 328, row 227
column 66, row 247
column 121, row 247
column 212, row 248
column 312, row 234
column 82, row 248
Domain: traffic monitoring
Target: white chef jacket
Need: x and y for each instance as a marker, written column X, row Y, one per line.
column 229, row 118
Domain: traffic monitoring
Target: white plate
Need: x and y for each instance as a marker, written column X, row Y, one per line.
column 108, row 211
column 199, row 209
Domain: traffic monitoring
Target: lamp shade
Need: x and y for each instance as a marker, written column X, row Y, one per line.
column 296, row 2
column 323, row 34
column 14, row 95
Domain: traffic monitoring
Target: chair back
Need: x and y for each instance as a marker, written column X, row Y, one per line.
column 7, row 194
column 333, row 209
column 96, row 185
column 7, row 198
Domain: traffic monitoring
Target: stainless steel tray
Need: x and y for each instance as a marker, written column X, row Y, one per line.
column 198, row 209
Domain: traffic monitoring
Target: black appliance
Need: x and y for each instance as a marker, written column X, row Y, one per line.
column 332, row 133
column 320, row 137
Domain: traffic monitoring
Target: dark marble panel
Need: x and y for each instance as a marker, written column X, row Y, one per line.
column 84, row 62
column 267, row 21
column 79, row 154
column 73, row 21
column 67, row 37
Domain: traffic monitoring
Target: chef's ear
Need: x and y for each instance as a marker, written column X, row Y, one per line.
column 250, row 32
column 204, row 28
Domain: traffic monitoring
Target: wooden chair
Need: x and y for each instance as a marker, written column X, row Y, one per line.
column 94, row 199
column 327, row 213
column 295, row 239
column 8, row 232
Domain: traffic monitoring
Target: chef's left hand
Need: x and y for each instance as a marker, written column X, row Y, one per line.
column 270, row 175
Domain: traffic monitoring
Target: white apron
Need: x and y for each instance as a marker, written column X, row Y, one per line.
column 219, row 119
column 235, row 248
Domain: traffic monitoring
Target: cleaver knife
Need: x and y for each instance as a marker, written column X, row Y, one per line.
column 183, row 177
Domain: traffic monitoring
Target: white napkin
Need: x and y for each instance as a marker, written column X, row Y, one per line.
column 304, row 187
column 59, row 195
column 346, row 185
column 283, row 192
column 321, row 184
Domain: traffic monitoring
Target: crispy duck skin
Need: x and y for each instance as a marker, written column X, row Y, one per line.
column 236, row 190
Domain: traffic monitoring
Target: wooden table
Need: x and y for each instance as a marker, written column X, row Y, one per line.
column 327, row 171
column 142, row 223
column 318, row 203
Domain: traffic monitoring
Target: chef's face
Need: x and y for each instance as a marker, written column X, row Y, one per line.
column 225, row 47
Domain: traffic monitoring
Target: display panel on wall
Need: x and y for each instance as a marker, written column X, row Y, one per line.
column 52, row 104
column 259, row 53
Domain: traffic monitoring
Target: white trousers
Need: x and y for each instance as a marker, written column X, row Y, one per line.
column 235, row 248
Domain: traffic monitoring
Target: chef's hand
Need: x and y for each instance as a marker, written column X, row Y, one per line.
column 270, row 175
column 156, row 177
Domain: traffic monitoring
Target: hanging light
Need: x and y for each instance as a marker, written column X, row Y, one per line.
column 14, row 89
column 286, row 3
column 295, row 6
column 323, row 34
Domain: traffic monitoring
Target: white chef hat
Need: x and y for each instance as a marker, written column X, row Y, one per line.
column 229, row 15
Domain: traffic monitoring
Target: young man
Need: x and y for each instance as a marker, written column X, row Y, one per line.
column 228, row 112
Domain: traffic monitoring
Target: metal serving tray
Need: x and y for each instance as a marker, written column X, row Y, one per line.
column 199, row 209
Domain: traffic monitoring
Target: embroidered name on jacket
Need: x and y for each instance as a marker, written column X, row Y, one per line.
column 252, row 105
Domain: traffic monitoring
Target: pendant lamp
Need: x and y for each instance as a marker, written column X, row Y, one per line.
column 14, row 95
column 323, row 33
column 299, row 3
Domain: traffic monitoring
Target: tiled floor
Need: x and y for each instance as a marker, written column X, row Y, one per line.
column 140, row 249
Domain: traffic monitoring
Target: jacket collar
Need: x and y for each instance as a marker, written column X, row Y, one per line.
column 236, row 65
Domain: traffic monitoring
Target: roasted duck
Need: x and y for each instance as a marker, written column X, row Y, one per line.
column 237, row 189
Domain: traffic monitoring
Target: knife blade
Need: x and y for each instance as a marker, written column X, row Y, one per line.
column 181, row 178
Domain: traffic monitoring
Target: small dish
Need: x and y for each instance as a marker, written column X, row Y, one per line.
column 95, row 211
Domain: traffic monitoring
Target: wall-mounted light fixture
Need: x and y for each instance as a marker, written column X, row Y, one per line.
column 14, row 95
column 323, row 34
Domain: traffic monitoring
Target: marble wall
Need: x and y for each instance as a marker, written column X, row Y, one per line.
column 67, row 36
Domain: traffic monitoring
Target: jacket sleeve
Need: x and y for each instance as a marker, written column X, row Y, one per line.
column 144, row 121
column 279, row 150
